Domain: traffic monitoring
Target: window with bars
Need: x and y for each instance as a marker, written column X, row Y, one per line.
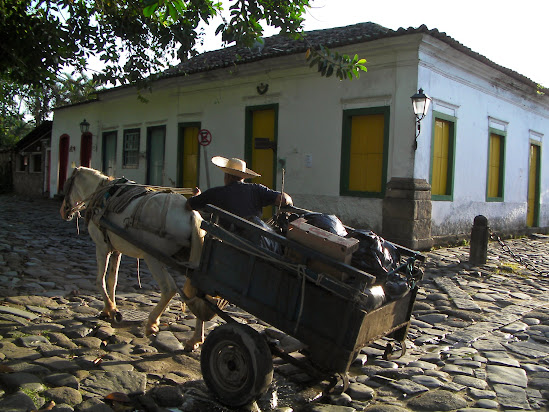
column 130, row 156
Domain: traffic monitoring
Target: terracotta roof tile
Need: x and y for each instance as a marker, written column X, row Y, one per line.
column 281, row 45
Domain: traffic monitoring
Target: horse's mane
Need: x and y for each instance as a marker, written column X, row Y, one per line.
column 95, row 172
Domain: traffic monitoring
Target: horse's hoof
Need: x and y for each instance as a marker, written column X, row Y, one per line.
column 104, row 316
column 117, row 317
column 189, row 347
column 151, row 330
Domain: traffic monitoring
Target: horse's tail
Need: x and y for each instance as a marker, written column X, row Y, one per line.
column 197, row 238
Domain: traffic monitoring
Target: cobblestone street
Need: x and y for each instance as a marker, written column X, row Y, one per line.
column 478, row 341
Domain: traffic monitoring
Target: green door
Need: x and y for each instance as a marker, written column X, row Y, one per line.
column 156, row 137
column 109, row 153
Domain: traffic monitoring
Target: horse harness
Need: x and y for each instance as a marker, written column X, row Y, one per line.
column 113, row 197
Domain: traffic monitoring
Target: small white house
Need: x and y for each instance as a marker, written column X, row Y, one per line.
column 342, row 147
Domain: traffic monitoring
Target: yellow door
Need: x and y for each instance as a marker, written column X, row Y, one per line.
column 366, row 159
column 264, row 149
column 533, row 186
column 494, row 166
column 439, row 184
column 189, row 157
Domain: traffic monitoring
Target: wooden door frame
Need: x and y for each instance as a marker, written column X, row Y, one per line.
column 148, row 160
column 537, row 185
column 63, row 161
column 103, row 148
column 86, row 144
column 180, row 136
column 248, row 144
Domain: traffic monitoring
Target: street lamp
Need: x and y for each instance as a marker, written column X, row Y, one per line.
column 420, row 102
column 84, row 126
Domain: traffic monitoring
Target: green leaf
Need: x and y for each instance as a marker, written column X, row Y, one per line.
column 219, row 29
column 314, row 61
column 149, row 10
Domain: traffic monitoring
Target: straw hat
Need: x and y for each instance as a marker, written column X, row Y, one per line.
column 234, row 167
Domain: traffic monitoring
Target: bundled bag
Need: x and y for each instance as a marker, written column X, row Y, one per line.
column 329, row 223
column 262, row 241
column 397, row 285
column 374, row 255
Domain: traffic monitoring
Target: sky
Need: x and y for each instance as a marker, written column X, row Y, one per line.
column 511, row 33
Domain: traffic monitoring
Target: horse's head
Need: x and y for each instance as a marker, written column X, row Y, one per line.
column 69, row 207
column 78, row 189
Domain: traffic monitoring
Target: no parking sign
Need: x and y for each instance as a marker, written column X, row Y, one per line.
column 204, row 139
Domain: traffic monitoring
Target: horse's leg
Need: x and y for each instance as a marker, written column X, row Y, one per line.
column 198, row 336
column 202, row 312
column 102, row 265
column 167, row 291
column 112, row 280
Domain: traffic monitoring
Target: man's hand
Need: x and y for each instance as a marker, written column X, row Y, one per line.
column 284, row 199
column 196, row 192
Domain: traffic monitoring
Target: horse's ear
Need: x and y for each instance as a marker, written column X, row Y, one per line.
column 73, row 165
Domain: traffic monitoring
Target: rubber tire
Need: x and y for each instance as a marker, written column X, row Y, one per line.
column 236, row 364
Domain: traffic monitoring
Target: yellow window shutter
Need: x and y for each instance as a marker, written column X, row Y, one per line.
column 190, row 157
column 532, row 185
column 441, row 151
column 366, row 158
column 494, row 166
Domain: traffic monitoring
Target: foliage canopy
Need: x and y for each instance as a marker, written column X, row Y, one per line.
column 134, row 38
column 23, row 107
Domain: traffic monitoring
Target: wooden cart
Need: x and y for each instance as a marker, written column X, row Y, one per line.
column 329, row 316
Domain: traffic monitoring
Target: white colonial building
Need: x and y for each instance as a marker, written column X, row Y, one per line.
column 346, row 147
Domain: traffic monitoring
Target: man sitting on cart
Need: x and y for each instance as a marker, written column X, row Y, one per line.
column 243, row 199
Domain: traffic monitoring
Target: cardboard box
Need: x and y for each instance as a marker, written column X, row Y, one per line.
column 330, row 244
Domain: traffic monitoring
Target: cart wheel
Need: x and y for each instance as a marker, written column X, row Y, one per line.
column 236, row 364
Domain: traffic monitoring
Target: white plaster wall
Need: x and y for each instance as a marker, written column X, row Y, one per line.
column 67, row 121
column 309, row 122
column 474, row 98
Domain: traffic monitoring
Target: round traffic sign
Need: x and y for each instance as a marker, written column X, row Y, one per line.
column 204, row 137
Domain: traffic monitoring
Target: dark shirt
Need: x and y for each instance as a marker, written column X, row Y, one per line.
column 239, row 198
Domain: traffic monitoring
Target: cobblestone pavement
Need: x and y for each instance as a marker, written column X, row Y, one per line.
column 479, row 337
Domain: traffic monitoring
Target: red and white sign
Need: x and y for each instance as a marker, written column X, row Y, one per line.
column 204, row 137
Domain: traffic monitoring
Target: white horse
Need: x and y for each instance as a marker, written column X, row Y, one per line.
column 159, row 219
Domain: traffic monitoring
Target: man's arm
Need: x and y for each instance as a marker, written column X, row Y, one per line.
column 196, row 192
column 284, row 199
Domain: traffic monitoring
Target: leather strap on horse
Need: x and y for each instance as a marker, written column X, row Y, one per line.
column 113, row 197
column 116, row 195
